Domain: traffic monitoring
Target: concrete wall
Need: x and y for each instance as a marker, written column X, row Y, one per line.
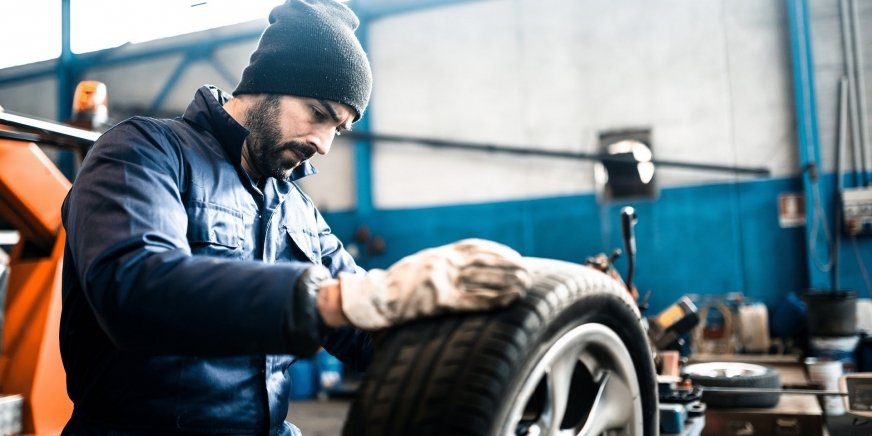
column 711, row 78
column 829, row 67
column 36, row 98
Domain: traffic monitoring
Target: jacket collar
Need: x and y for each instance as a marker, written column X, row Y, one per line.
column 207, row 111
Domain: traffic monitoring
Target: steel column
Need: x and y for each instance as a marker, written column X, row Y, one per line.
column 363, row 147
column 809, row 145
column 67, row 76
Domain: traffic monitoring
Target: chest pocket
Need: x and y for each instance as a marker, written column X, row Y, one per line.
column 215, row 230
column 305, row 245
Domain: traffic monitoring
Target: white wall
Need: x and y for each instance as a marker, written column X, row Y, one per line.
column 37, row 98
column 333, row 189
column 711, row 79
column 829, row 64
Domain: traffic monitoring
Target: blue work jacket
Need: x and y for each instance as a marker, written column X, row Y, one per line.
column 180, row 313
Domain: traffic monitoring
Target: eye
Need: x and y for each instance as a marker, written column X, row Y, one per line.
column 319, row 116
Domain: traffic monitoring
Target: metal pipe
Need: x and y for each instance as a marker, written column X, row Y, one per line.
column 529, row 151
column 840, row 144
column 773, row 391
column 50, row 129
column 363, row 186
column 18, row 136
column 847, row 45
column 861, row 89
column 807, row 140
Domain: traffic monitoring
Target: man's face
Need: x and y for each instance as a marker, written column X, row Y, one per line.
column 286, row 130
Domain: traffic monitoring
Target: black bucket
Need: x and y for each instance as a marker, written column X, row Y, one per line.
column 831, row 313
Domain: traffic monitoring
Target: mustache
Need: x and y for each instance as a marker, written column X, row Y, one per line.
column 302, row 149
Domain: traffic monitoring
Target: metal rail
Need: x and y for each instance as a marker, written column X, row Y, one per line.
column 529, row 151
column 773, row 391
column 47, row 132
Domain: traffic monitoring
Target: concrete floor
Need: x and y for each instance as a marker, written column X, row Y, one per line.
column 319, row 417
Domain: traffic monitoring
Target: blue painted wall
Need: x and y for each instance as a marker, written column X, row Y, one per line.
column 704, row 239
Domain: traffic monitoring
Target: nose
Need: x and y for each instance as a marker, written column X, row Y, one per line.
column 324, row 140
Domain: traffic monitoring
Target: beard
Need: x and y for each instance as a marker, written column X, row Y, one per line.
column 270, row 155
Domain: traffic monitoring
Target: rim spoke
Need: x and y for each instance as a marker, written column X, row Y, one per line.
column 549, row 387
column 610, row 409
column 559, row 384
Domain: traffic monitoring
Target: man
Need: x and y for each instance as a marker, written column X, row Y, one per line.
column 195, row 268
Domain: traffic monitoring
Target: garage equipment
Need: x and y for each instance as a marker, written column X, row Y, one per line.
column 857, row 205
column 667, row 327
column 31, row 192
column 791, row 411
column 605, row 263
column 856, row 390
column 628, row 222
column 681, row 409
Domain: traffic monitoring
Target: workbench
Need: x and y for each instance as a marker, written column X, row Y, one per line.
column 793, row 415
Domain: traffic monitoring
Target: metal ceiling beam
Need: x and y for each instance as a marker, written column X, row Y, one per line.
column 118, row 55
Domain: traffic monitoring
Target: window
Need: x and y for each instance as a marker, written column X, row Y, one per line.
column 628, row 171
column 99, row 24
column 30, row 31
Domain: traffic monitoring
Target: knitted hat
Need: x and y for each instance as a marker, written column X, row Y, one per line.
column 309, row 50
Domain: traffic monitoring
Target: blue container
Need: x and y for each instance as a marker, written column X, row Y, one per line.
column 303, row 385
column 787, row 317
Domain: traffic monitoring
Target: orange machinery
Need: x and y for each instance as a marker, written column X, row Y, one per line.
column 31, row 192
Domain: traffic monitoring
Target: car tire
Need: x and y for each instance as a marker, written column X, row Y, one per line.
column 711, row 374
column 575, row 342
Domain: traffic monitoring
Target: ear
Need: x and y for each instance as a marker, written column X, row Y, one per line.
column 237, row 107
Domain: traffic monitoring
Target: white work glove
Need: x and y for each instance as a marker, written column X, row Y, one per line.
column 472, row 274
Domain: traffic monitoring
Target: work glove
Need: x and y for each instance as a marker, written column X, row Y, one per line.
column 472, row 274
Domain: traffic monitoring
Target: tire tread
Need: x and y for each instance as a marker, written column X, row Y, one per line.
column 463, row 359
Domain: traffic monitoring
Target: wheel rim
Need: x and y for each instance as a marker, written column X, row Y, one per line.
column 585, row 384
column 725, row 369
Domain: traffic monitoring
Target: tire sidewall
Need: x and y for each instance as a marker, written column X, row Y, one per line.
column 599, row 308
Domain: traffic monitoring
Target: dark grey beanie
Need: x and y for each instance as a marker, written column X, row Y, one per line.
column 310, row 50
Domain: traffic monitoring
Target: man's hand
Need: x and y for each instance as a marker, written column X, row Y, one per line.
column 330, row 304
column 472, row 274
